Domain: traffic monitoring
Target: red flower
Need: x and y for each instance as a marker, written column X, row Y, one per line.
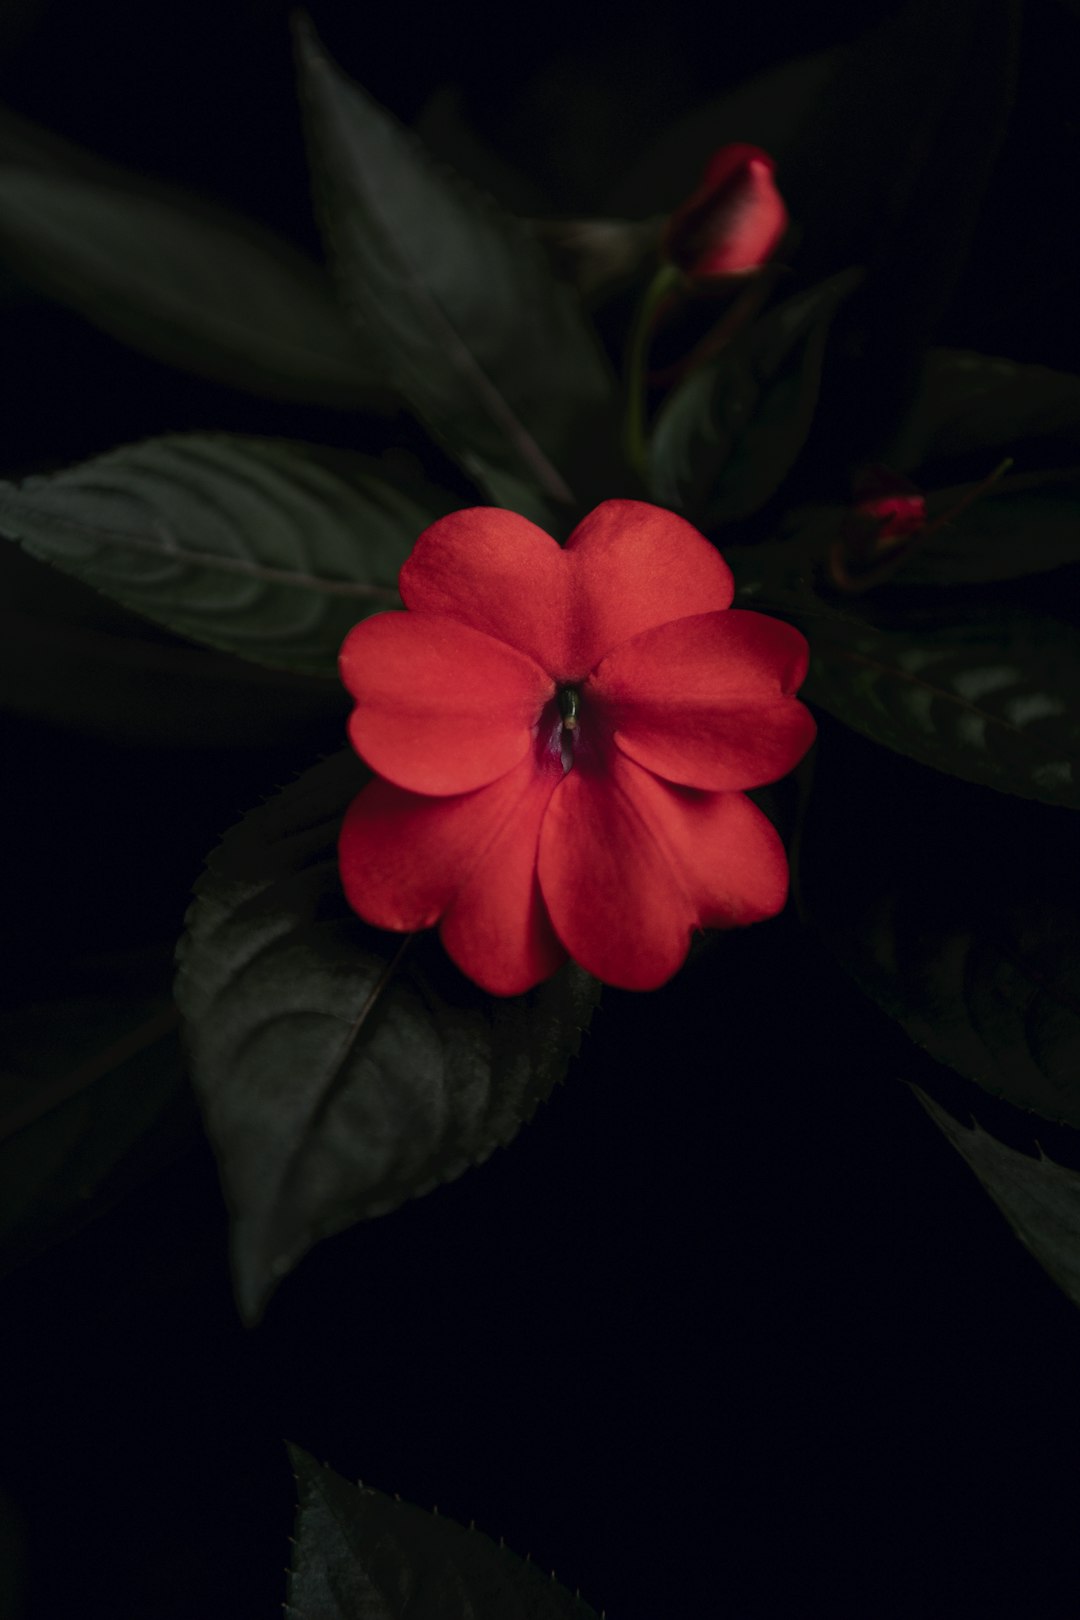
column 560, row 736
column 733, row 222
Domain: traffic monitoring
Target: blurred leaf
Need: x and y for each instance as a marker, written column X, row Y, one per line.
column 598, row 256
column 770, row 110
column 360, row 1555
column 1039, row 1199
column 265, row 548
column 968, row 402
column 343, row 1070
column 188, row 283
column 447, row 132
column 458, row 300
column 958, row 912
column 889, row 169
column 92, row 1093
column 729, row 435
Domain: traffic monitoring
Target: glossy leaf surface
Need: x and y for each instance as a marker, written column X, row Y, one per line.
column 987, row 691
column 341, row 1069
column 262, row 547
column 730, row 434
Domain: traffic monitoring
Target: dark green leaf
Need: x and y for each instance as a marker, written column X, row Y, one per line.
column 265, row 548
column 599, row 256
column 1001, row 536
column 770, row 110
column 71, row 657
column 993, row 698
column 1024, row 525
column 343, row 1070
column 890, row 169
column 968, row 402
column 458, row 301
column 191, row 285
column 1039, row 1199
column 361, row 1555
column 92, row 1088
column 449, row 135
column 728, row 437
column 958, row 912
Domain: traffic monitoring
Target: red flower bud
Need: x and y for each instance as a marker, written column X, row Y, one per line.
column 733, row 222
column 562, row 737
column 885, row 511
column 895, row 506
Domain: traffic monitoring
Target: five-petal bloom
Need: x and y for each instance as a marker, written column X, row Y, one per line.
column 733, row 222
column 561, row 737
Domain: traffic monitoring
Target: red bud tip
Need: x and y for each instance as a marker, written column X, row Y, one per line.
column 733, row 222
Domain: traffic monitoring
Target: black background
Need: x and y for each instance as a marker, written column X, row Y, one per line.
column 730, row 1329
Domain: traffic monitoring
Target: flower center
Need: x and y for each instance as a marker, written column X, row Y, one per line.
column 569, row 704
column 566, row 734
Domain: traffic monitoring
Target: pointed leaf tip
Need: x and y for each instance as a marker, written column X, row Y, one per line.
column 1039, row 1198
column 273, row 968
column 359, row 1552
column 436, row 277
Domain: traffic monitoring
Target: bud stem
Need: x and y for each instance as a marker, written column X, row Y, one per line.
column 665, row 281
column 739, row 313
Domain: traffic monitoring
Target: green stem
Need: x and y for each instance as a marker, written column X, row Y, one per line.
column 969, row 496
column 739, row 313
column 666, row 279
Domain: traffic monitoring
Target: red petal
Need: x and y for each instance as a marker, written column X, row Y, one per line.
column 440, row 708
column 495, row 571
column 408, row 861
column 627, row 567
column 636, row 566
column 705, row 701
column 629, row 866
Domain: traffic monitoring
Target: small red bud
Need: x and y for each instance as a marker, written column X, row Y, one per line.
column 886, row 511
column 733, row 222
column 887, row 500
